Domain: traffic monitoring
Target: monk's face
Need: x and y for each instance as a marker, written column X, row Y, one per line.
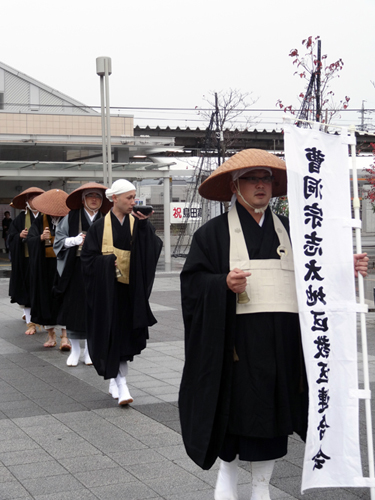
column 30, row 200
column 255, row 188
column 93, row 201
column 124, row 202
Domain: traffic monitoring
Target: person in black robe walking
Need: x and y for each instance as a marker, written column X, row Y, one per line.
column 19, row 283
column 87, row 204
column 45, row 304
column 6, row 222
column 119, row 259
column 244, row 387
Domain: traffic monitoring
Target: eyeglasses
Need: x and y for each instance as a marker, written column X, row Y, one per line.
column 267, row 179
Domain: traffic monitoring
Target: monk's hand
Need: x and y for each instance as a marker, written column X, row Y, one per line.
column 236, row 280
column 46, row 235
column 23, row 233
column 360, row 264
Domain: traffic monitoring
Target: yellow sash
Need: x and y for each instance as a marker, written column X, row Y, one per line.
column 122, row 256
column 48, row 246
column 27, row 226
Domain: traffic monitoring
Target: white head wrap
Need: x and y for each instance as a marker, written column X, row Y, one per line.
column 118, row 187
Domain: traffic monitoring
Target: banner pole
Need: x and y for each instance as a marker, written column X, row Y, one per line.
column 366, row 378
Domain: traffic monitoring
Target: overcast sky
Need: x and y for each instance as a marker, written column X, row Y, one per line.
column 169, row 54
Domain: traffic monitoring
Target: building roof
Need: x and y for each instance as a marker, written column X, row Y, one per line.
column 68, row 101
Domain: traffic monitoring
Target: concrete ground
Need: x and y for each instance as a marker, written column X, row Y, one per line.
column 62, row 436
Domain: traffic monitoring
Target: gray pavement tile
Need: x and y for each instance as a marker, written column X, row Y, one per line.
column 8, row 428
column 170, row 397
column 14, row 491
column 154, row 470
column 104, row 477
column 146, row 400
column 161, row 412
column 61, row 407
column 194, row 495
column 69, row 446
column 142, row 456
column 162, row 389
column 183, row 482
column 138, row 430
column 128, row 491
column 6, row 475
column 41, row 420
column 168, row 438
column 174, row 452
column 89, row 463
column 175, row 425
column 53, row 484
column 16, row 444
column 23, row 457
column 40, row 469
column 82, row 494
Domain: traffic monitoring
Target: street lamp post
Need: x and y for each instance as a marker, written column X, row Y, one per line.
column 104, row 69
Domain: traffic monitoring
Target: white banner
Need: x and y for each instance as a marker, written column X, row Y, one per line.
column 321, row 234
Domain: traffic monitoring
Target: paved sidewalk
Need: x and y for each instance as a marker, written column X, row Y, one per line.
column 62, row 437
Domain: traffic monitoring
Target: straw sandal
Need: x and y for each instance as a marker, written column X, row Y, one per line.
column 31, row 329
column 51, row 340
column 65, row 344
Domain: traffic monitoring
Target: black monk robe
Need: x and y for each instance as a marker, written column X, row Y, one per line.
column 264, row 393
column 19, row 283
column 118, row 315
column 44, row 304
column 70, row 287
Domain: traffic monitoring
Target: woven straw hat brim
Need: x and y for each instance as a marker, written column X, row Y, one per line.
column 74, row 200
column 217, row 185
column 52, row 202
column 19, row 201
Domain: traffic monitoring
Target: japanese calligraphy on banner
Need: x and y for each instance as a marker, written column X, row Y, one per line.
column 182, row 213
column 321, row 234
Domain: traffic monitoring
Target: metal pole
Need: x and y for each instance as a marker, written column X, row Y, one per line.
column 108, row 129
column 318, row 72
column 104, row 69
column 104, row 148
column 366, row 378
column 167, row 223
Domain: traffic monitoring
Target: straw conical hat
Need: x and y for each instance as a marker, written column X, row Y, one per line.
column 52, row 202
column 19, row 201
column 74, row 200
column 217, row 185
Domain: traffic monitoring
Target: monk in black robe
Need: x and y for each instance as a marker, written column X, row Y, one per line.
column 87, row 204
column 19, row 283
column 244, row 387
column 118, row 312
column 44, row 303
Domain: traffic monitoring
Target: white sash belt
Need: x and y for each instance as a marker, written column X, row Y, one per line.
column 271, row 286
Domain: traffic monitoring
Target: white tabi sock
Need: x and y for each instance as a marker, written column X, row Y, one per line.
column 124, row 396
column 113, row 389
column 74, row 353
column 226, row 483
column 27, row 313
column 87, row 355
column 261, row 475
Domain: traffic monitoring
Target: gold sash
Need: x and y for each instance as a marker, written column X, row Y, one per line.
column 48, row 246
column 27, row 226
column 122, row 256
